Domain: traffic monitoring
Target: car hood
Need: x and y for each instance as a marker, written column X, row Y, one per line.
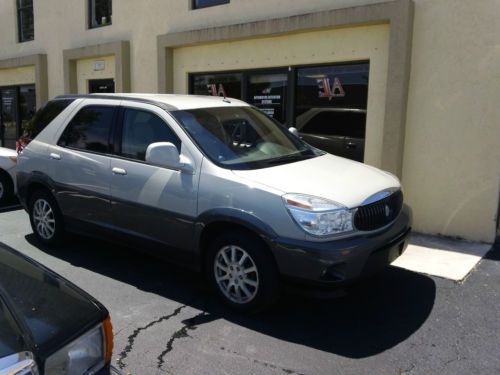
column 6, row 152
column 51, row 308
column 338, row 179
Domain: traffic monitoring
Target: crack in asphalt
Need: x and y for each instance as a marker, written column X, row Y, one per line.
column 457, row 354
column 410, row 368
column 131, row 339
column 189, row 324
column 265, row 364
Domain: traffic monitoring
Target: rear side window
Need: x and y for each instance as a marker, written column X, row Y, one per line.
column 89, row 129
column 44, row 116
column 140, row 129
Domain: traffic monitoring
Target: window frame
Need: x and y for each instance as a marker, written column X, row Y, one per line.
column 19, row 10
column 90, row 24
column 111, row 145
column 217, row 3
column 118, row 134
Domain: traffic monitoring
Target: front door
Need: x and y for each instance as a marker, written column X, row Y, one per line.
column 152, row 202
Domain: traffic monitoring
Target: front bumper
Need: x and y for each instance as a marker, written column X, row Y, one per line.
column 341, row 261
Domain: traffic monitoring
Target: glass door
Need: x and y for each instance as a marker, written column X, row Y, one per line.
column 27, row 107
column 8, row 118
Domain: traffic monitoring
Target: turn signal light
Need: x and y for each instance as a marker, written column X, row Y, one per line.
column 108, row 332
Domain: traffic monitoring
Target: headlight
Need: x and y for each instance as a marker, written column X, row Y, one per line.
column 318, row 216
column 85, row 355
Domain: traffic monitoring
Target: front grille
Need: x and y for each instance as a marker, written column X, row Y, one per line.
column 380, row 213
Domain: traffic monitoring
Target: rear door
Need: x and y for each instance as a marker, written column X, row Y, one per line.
column 151, row 202
column 80, row 163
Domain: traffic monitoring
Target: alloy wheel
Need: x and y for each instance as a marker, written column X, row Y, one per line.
column 44, row 219
column 236, row 274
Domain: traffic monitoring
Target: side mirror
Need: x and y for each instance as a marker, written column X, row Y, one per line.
column 165, row 154
column 294, row 131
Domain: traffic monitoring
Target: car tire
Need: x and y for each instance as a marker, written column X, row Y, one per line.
column 242, row 271
column 6, row 188
column 46, row 218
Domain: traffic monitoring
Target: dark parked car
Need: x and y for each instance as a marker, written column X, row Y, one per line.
column 47, row 324
column 338, row 131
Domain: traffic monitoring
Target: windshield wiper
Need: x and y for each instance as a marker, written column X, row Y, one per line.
column 288, row 158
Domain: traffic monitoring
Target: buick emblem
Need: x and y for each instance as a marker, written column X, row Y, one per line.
column 387, row 210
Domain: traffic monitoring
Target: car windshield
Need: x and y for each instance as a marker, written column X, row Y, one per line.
column 242, row 137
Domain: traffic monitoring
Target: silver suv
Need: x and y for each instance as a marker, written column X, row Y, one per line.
column 213, row 183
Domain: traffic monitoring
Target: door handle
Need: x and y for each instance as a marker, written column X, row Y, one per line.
column 351, row 145
column 119, row 171
column 55, row 156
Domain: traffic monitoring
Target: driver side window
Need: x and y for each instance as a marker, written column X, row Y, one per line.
column 140, row 129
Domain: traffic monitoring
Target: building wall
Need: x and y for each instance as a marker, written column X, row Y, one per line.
column 451, row 164
column 62, row 24
column 17, row 76
column 340, row 45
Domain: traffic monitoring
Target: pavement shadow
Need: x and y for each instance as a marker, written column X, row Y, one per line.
column 371, row 318
column 494, row 253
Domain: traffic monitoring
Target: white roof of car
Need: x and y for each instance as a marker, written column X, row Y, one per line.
column 184, row 101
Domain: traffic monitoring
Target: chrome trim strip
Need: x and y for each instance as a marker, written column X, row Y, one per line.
column 379, row 196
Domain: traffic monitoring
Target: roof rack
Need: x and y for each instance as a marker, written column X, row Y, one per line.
column 165, row 106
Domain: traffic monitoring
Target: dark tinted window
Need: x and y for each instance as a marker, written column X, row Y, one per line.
column 89, row 129
column 268, row 92
column 100, row 12
column 27, row 105
column 25, row 20
column 339, row 86
column 44, row 116
column 207, row 3
column 346, row 124
column 140, row 129
column 101, row 86
column 225, row 85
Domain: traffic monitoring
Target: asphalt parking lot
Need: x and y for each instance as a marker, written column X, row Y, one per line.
column 166, row 321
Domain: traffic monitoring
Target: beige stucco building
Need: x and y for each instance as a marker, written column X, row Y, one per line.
column 432, row 92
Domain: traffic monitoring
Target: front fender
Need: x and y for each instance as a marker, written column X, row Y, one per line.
column 240, row 217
